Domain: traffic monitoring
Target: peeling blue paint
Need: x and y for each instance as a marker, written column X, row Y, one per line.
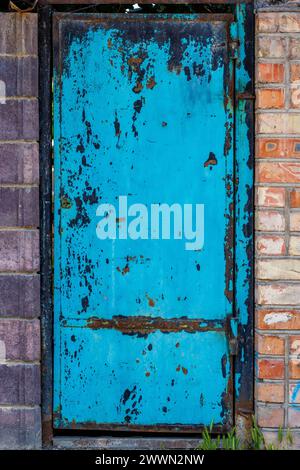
column 143, row 108
column 296, row 391
column 242, row 31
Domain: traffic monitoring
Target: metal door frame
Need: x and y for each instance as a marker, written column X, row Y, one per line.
column 243, row 232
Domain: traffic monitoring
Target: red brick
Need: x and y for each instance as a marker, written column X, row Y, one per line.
column 270, row 245
column 294, row 362
column 270, row 73
column 271, row 47
column 278, row 123
column 294, row 393
column 294, row 368
column 270, row 392
column 278, row 319
column 271, row 345
column 295, row 72
column 270, row 368
column 278, row 294
column 294, row 246
column 271, row 439
column 268, row 98
column 270, row 221
column 294, row 50
column 295, row 95
column 269, row 417
column 274, row 147
column 295, row 199
column 278, row 269
column 280, row 173
column 295, row 221
column 289, row 23
column 270, row 197
column 295, row 345
column 267, row 22
column 294, row 416
column 283, row 172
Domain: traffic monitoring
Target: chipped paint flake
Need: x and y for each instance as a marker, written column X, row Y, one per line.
column 273, row 318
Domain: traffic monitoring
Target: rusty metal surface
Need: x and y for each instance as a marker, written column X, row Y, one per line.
column 46, row 218
column 128, row 2
column 244, row 253
column 150, row 379
column 130, row 443
column 143, row 326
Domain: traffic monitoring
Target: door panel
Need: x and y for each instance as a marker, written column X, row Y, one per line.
column 143, row 109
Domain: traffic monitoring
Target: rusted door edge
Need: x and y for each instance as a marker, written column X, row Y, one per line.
column 243, row 363
column 126, row 443
column 95, row 18
column 244, row 208
column 46, row 274
column 127, row 2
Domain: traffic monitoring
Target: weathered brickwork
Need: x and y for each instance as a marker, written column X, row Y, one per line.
column 19, row 238
column 278, row 222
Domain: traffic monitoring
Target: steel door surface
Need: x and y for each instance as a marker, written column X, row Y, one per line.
column 143, row 120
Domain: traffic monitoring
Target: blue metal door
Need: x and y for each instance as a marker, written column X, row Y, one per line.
column 144, row 237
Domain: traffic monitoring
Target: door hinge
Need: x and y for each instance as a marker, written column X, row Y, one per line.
column 232, row 334
column 234, row 47
column 245, row 96
column 234, row 43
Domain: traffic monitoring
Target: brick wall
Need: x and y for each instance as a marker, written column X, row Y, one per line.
column 19, row 237
column 278, row 222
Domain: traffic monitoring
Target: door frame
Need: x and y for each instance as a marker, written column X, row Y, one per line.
column 242, row 49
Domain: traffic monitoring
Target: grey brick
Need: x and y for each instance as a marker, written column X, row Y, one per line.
column 20, row 295
column 20, row 428
column 18, row 33
column 19, row 250
column 20, row 340
column 20, row 75
column 20, row 384
column 19, row 163
column 19, row 207
column 19, row 120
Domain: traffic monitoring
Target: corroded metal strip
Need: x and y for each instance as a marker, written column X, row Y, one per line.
column 129, row 442
column 127, row 428
column 144, row 325
column 244, row 221
column 114, row 19
column 147, row 2
column 45, row 136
